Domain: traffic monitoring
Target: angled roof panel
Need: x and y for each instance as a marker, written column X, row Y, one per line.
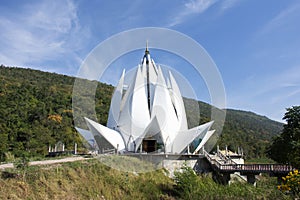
column 111, row 136
column 204, row 140
column 88, row 136
column 184, row 138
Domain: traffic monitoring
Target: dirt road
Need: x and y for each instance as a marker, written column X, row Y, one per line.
column 46, row 162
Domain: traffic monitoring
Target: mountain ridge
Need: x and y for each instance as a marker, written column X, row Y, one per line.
column 31, row 99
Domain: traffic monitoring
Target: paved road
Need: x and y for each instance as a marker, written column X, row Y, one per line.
column 46, row 162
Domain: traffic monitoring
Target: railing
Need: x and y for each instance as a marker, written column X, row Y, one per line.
column 277, row 168
column 256, row 168
column 108, row 151
column 222, row 156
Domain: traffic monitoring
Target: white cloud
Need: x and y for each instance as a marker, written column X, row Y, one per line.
column 41, row 32
column 285, row 17
column 277, row 86
column 268, row 93
column 198, row 6
column 227, row 4
column 51, row 16
column 193, row 7
column 190, row 8
column 290, row 78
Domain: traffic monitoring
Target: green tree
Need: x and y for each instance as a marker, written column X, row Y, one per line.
column 286, row 147
column 186, row 182
column 3, row 145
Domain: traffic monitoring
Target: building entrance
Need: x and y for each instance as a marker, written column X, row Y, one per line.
column 149, row 146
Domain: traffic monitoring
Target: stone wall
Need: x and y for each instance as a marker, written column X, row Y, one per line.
column 200, row 165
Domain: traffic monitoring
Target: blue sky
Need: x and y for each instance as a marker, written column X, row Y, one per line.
column 254, row 43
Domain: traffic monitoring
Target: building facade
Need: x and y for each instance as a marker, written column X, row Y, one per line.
column 147, row 116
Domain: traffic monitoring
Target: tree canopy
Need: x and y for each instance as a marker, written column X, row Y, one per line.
column 285, row 148
column 36, row 111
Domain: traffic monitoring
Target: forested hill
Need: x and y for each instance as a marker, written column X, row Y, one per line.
column 36, row 111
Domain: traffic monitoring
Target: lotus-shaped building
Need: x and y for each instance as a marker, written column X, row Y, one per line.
column 147, row 116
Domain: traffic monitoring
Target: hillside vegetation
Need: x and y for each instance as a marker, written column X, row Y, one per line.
column 36, row 111
column 93, row 180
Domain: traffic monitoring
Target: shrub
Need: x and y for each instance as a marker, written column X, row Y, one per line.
column 291, row 184
column 186, row 181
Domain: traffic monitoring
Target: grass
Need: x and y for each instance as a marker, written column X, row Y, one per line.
column 93, row 180
column 208, row 189
column 82, row 180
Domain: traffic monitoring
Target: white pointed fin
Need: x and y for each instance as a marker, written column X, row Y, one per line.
column 88, row 136
column 163, row 109
column 150, row 74
column 204, row 140
column 178, row 103
column 128, row 92
column 153, row 72
column 115, row 104
column 169, row 84
column 184, row 138
column 111, row 136
column 125, row 122
column 140, row 115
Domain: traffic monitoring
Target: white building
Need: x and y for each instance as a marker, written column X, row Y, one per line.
column 147, row 117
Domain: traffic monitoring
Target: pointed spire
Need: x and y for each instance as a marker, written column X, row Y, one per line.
column 146, row 51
